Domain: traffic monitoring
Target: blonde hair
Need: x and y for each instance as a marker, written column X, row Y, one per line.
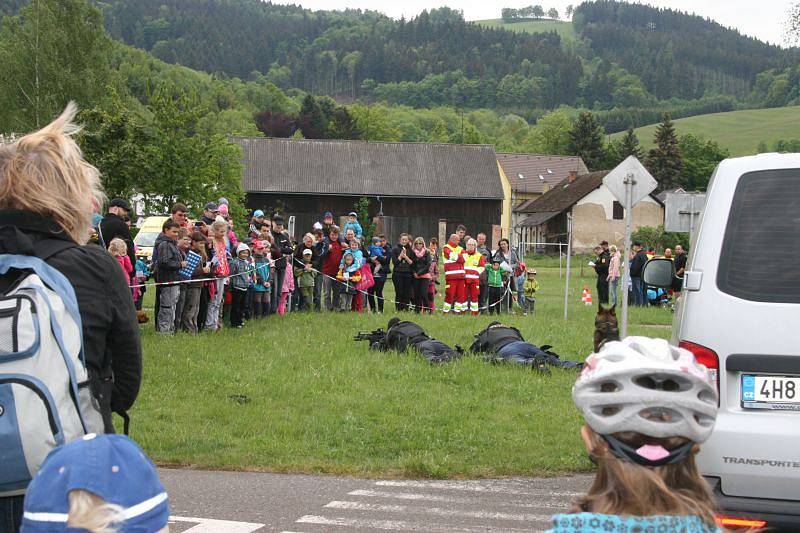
column 90, row 512
column 44, row 172
column 117, row 247
column 613, row 248
column 418, row 240
column 625, row 488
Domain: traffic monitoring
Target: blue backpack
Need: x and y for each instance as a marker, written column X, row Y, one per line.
column 45, row 398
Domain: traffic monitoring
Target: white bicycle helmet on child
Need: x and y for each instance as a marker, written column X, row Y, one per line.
column 649, row 387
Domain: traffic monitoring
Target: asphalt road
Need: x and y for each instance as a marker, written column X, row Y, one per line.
column 239, row 502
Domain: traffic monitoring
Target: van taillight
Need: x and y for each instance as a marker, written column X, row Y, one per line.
column 705, row 356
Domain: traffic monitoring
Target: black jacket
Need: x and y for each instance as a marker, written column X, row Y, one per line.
column 637, row 264
column 421, row 265
column 169, row 259
column 401, row 266
column 601, row 264
column 113, row 227
column 284, row 245
column 110, row 331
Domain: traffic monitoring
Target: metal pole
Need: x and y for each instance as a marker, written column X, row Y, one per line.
column 629, row 182
column 569, row 254
column 560, row 260
column 691, row 218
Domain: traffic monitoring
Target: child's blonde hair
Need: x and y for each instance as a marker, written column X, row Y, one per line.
column 626, row 488
column 90, row 512
column 117, row 247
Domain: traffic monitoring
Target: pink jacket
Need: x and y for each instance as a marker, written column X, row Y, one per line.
column 613, row 267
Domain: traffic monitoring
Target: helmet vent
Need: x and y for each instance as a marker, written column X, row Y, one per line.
column 660, row 414
column 662, row 383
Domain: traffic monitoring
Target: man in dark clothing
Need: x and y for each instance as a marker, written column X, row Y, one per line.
column 284, row 244
column 601, row 264
column 680, row 267
column 113, row 226
column 636, row 270
column 210, row 213
column 483, row 249
column 111, row 342
column 170, row 261
column 317, row 263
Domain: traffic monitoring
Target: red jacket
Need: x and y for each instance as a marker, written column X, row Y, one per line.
column 453, row 258
column 331, row 265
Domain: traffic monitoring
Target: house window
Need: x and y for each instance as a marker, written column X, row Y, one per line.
column 619, row 211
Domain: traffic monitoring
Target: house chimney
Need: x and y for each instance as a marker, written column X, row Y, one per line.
column 573, row 175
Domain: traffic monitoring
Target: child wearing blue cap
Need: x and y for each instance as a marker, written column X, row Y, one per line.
column 96, row 483
column 353, row 224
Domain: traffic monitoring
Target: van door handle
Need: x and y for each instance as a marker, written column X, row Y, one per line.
column 692, row 280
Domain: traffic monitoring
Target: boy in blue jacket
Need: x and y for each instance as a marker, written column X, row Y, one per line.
column 352, row 223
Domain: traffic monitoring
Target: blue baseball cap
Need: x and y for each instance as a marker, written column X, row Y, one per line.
column 258, row 213
column 111, row 467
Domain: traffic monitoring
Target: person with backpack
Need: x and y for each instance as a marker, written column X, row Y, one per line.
column 400, row 335
column 647, row 406
column 506, row 343
column 47, row 196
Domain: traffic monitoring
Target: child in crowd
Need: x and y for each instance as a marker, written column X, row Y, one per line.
column 241, row 278
column 261, row 286
column 350, row 275
column 644, row 437
column 530, row 289
column 198, row 256
column 496, row 279
column 96, row 483
column 286, row 290
column 306, row 278
column 185, row 246
column 355, row 251
column 169, row 262
column 352, row 223
column 119, row 250
column 140, row 278
column 376, row 252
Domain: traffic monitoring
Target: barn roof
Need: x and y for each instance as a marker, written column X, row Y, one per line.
column 565, row 194
column 362, row 168
column 523, row 170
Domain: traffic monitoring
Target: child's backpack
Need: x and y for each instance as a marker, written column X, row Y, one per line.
column 45, row 398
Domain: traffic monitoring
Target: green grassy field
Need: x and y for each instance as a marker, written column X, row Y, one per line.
column 297, row 394
column 564, row 29
column 738, row 131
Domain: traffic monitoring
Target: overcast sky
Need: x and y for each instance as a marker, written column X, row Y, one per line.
column 759, row 18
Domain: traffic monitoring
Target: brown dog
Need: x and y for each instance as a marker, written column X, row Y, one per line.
column 142, row 317
column 606, row 327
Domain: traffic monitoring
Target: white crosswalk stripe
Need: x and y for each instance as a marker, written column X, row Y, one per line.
column 467, row 506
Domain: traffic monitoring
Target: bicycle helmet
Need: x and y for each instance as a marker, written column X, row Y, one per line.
column 649, row 387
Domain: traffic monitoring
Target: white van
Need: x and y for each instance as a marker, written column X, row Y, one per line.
column 740, row 315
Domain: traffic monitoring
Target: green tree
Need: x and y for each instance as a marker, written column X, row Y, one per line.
column 183, row 164
column 553, row 13
column 586, row 141
column 665, row 161
column 312, row 120
column 630, row 146
column 700, row 158
column 550, row 135
column 343, row 125
column 659, row 239
column 537, row 11
column 113, row 139
column 54, row 51
column 373, row 122
column 361, row 207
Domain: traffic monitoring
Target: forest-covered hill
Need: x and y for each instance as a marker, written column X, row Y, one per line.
column 627, row 56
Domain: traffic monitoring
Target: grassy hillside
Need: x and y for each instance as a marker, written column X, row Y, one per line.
column 564, row 29
column 738, row 131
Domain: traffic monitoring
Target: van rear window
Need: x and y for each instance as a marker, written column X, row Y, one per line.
column 760, row 258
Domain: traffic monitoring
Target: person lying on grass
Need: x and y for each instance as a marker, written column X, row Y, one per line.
column 647, row 406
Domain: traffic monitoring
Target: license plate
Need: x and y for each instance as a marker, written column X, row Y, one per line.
column 771, row 392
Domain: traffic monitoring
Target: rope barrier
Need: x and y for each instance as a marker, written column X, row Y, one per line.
column 294, row 259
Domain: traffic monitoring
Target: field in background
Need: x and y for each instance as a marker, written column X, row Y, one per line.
column 297, row 394
column 738, row 131
column 564, row 29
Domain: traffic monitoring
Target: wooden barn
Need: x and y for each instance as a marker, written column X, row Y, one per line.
column 418, row 188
